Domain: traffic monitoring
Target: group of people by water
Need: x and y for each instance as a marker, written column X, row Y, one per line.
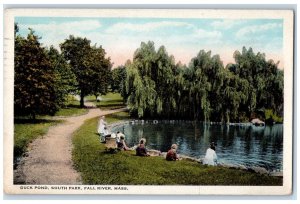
column 141, row 150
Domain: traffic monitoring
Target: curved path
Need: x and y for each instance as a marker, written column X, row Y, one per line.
column 49, row 158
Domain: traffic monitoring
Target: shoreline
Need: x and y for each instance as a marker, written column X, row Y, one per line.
column 255, row 169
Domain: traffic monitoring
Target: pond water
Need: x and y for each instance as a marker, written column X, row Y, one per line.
column 245, row 145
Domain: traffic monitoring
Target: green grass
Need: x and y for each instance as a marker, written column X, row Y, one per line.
column 116, row 117
column 124, row 168
column 109, row 101
column 25, row 131
column 72, row 108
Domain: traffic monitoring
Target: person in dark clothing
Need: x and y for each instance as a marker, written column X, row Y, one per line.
column 172, row 155
column 122, row 145
column 141, row 149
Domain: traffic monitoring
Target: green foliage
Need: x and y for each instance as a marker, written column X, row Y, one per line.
column 88, row 63
column 26, row 130
column 204, row 90
column 65, row 79
column 118, row 80
column 35, row 90
column 265, row 81
column 271, row 117
column 124, row 168
column 149, row 82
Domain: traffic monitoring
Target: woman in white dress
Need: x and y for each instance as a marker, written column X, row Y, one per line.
column 211, row 156
column 101, row 127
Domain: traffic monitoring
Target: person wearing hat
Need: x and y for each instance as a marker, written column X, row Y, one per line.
column 211, row 156
column 172, row 155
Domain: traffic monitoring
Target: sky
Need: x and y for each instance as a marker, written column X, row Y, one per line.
column 182, row 37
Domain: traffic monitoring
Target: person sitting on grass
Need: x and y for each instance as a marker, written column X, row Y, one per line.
column 172, row 155
column 141, row 149
column 211, row 156
column 122, row 145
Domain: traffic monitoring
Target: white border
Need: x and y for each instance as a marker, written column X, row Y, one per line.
column 286, row 189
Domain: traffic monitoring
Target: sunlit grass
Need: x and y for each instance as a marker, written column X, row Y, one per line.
column 109, row 101
column 72, row 108
column 99, row 167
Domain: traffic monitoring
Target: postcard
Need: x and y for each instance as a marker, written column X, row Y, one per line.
column 148, row 101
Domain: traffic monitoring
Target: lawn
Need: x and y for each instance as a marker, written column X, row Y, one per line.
column 72, row 108
column 109, row 101
column 26, row 131
column 124, row 168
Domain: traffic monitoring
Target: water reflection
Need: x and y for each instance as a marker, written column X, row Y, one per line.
column 244, row 145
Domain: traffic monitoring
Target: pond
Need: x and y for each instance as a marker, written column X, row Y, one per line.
column 236, row 144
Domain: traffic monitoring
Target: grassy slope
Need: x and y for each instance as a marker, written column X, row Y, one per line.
column 72, row 108
column 25, row 131
column 98, row 167
column 109, row 101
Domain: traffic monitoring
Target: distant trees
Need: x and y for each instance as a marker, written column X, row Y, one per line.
column 89, row 65
column 204, row 90
column 118, row 77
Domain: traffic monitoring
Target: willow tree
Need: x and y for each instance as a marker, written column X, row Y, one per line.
column 150, row 82
column 264, row 78
column 141, row 91
column 206, row 77
column 234, row 95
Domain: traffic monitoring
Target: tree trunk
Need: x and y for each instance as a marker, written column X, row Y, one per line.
column 81, row 99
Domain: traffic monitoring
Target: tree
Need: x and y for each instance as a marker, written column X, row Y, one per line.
column 150, row 82
column 34, row 82
column 65, row 80
column 204, row 90
column 118, row 80
column 89, row 65
column 100, row 67
column 265, row 81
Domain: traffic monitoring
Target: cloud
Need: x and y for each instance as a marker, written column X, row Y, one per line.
column 54, row 33
column 257, row 29
column 66, row 27
column 204, row 34
column 146, row 27
column 225, row 24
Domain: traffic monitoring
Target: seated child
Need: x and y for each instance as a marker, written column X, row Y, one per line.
column 172, row 155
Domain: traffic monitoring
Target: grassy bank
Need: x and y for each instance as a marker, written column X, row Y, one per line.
column 109, row 101
column 98, row 167
column 26, row 131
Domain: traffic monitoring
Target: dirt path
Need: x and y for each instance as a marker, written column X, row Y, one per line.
column 49, row 159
